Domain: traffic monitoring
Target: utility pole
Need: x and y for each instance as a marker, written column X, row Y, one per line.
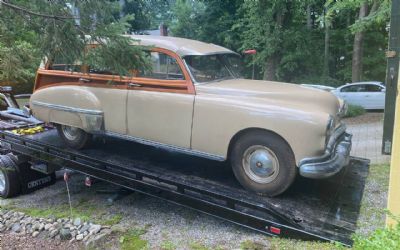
column 391, row 77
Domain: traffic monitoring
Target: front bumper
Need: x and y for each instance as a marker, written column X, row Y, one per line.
column 336, row 156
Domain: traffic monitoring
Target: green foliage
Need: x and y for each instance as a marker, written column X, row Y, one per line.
column 32, row 30
column 186, row 14
column 17, row 65
column 355, row 110
column 378, row 17
column 387, row 238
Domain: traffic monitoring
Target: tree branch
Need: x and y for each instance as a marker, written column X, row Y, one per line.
column 20, row 9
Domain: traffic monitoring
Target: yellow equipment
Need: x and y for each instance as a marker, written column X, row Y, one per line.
column 28, row 131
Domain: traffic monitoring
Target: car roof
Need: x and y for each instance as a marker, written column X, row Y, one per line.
column 362, row 83
column 181, row 46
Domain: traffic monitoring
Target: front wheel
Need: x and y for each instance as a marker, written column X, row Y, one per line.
column 263, row 163
column 74, row 137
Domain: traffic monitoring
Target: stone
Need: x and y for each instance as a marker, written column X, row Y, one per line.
column 94, row 229
column 73, row 233
column 41, row 226
column 84, row 228
column 47, row 227
column 35, row 234
column 77, row 222
column 79, row 237
column 16, row 228
column 36, row 226
column 65, row 234
column 53, row 233
column 96, row 238
column 118, row 229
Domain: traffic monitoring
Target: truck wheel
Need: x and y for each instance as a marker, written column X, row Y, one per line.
column 263, row 163
column 75, row 138
column 9, row 181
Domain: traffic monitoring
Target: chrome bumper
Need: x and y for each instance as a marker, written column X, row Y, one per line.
column 336, row 156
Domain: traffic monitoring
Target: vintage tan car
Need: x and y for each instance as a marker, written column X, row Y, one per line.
column 195, row 100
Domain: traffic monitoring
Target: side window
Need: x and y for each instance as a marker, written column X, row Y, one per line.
column 61, row 64
column 354, row 88
column 163, row 67
column 374, row 88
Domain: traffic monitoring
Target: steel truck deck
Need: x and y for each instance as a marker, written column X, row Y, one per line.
column 325, row 210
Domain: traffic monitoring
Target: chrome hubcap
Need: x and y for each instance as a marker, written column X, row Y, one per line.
column 260, row 164
column 2, row 182
column 71, row 133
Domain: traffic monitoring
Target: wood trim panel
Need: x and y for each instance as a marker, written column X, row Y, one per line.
column 46, row 78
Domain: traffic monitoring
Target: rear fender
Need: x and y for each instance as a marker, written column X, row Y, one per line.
column 68, row 105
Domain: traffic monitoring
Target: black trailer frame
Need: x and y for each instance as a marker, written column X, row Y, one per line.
column 324, row 210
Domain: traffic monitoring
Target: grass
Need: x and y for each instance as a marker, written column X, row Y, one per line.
column 115, row 219
column 83, row 210
column 167, row 245
column 197, row 246
column 354, row 110
column 378, row 180
column 251, row 245
column 132, row 240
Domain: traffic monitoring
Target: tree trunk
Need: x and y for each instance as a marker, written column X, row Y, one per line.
column 356, row 65
column 270, row 68
column 326, row 50
column 272, row 62
column 309, row 20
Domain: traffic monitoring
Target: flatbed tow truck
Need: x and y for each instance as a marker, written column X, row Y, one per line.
column 321, row 210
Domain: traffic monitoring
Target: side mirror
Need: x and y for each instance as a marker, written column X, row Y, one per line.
column 383, row 90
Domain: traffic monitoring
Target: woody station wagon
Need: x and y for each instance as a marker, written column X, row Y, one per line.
column 195, row 100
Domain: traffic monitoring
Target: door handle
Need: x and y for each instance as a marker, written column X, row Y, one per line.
column 84, row 80
column 132, row 84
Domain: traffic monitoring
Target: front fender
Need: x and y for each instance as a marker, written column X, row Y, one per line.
column 68, row 105
column 217, row 120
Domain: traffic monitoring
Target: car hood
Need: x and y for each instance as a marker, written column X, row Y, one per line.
column 289, row 95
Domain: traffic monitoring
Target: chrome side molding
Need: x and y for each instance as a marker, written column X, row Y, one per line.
column 166, row 146
column 68, row 109
column 92, row 120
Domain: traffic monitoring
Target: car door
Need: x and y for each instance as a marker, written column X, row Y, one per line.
column 160, row 102
column 375, row 96
column 111, row 92
column 353, row 94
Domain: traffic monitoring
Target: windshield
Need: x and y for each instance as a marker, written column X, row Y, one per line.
column 215, row 67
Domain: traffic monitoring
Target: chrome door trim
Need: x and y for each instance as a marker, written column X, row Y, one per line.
column 167, row 146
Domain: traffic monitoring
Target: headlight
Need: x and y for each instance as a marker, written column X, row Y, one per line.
column 330, row 127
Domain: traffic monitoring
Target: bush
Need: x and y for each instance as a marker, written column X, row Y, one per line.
column 388, row 238
column 355, row 110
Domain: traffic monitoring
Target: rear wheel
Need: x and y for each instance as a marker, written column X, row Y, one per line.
column 9, row 182
column 263, row 163
column 74, row 137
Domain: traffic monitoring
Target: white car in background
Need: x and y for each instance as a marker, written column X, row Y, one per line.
column 369, row 95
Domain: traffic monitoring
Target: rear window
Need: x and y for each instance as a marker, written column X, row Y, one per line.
column 61, row 64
